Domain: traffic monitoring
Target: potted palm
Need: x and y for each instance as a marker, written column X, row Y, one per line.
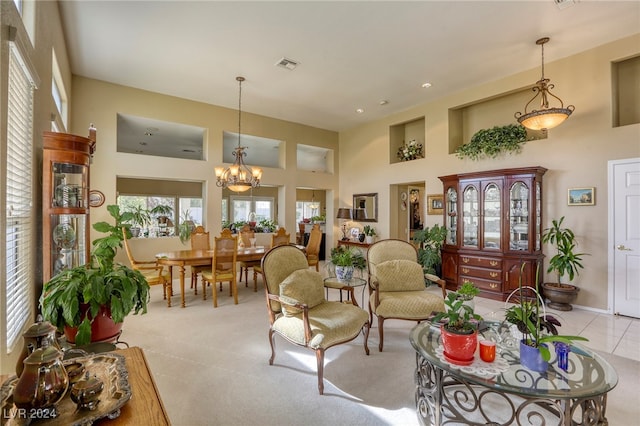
column 186, row 227
column 459, row 330
column 139, row 219
column 430, row 241
column 345, row 259
column 89, row 302
column 566, row 262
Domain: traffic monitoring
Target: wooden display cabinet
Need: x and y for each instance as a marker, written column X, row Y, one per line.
column 493, row 222
column 65, row 201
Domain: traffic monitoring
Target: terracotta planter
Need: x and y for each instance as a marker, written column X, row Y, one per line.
column 103, row 329
column 530, row 357
column 560, row 297
column 459, row 348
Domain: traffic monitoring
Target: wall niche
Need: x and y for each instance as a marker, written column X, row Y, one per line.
column 626, row 91
column 399, row 134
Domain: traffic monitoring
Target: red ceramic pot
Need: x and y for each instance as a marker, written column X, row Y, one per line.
column 103, row 329
column 459, row 348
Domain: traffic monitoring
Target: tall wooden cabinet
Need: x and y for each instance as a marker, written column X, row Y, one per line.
column 65, row 201
column 493, row 222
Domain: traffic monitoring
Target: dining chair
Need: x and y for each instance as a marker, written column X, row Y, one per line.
column 397, row 285
column 246, row 233
column 299, row 312
column 199, row 241
column 154, row 274
column 313, row 246
column 223, row 267
column 280, row 238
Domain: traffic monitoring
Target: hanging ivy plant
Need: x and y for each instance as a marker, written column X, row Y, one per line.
column 493, row 142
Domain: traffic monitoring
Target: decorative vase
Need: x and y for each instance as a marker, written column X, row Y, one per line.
column 361, row 238
column 344, row 273
column 530, row 357
column 369, row 239
column 459, row 348
column 103, row 329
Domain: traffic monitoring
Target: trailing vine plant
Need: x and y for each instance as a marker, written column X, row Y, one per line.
column 492, row 142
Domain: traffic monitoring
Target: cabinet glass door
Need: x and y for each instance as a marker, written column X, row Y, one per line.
column 491, row 228
column 470, row 211
column 68, row 241
column 538, row 213
column 519, row 217
column 68, row 186
column 451, row 216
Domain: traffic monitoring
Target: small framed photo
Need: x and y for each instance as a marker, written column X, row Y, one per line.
column 435, row 204
column 96, row 198
column 581, row 197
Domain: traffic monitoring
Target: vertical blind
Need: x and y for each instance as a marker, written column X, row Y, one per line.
column 19, row 194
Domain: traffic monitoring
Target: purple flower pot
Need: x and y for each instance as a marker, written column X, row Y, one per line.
column 530, row 357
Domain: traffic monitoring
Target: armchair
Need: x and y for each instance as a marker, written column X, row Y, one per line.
column 396, row 285
column 299, row 312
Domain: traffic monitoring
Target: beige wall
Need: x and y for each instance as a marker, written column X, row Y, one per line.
column 576, row 153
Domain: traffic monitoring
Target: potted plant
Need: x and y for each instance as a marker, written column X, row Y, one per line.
column 369, row 234
column 186, row 227
column 139, row 219
column 267, row 225
column 536, row 326
column 345, row 259
column 79, row 300
column 493, row 142
column 459, row 330
column 430, row 241
column 162, row 212
column 466, row 292
column 564, row 262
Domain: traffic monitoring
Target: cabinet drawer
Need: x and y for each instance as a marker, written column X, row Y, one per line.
column 483, row 262
column 482, row 284
column 487, row 274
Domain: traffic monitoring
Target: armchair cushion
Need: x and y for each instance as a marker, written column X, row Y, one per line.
column 303, row 286
column 400, row 275
column 409, row 305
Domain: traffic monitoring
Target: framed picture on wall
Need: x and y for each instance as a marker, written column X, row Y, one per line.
column 581, row 197
column 435, row 204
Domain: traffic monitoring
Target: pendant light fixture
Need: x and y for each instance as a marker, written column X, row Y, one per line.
column 546, row 117
column 313, row 205
column 238, row 177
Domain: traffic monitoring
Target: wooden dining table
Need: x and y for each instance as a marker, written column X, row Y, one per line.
column 183, row 258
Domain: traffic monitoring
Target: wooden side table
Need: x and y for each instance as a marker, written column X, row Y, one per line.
column 353, row 244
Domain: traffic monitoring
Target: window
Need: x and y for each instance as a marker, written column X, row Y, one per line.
column 189, row 209
column 59, row 95
column 306, row 210
column 242, row 206
column 19, row 280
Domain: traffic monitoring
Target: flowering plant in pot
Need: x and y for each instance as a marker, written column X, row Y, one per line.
column 79, row 297
column 459, row 329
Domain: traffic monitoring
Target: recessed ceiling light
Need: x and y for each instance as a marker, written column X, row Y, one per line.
column 360, row 110
column 143, row 143
column 426, row 85
column 383, row 102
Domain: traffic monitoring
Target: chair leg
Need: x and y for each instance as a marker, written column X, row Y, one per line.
column 246, row 277
column 235, row 291
column 320, row 362
column 204, row 289
column 215, row 296
column 241, row 270
column 317, row 267
column 194, row 282
column 366, row 337
column 381, row 331
column 273, row 347
column 255, row 281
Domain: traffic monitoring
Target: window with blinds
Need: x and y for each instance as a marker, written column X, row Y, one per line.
column 19, row 194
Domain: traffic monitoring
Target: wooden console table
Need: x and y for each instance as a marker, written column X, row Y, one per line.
column 354, row 244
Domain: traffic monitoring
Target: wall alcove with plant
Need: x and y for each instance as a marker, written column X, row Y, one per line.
column 490, row 143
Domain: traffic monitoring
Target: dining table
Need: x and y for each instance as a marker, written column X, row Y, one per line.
column 184, row 258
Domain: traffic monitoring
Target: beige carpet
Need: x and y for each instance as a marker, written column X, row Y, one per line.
column 211, row 367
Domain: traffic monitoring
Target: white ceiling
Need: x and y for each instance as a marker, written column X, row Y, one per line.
column 351, row 54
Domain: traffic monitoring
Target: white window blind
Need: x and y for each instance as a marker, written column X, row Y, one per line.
column 19, row 193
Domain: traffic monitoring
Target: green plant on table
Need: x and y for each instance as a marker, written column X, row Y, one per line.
column 348, row 256
column 369, row 231
column 461, row 319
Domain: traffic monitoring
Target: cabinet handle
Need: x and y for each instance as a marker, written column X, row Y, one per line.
column 493, row 274
column 465, row 259
column 506, row 277
column 465, row 270
column 493, row 285
column 493, row 263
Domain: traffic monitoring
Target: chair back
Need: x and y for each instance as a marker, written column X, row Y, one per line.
column 278, row 264
column 225, row 253
column 384, row 250
column 280, row 238
column 200, row 239
column 246, row 233
column 315, row 238
column 127, row 249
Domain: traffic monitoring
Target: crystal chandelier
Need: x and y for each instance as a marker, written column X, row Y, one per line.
column 546, row 117
column 238, row 177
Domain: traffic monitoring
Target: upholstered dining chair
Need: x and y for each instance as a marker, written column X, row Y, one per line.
column 313, row 246
column 199, row 241
column 396, row 285
column 246, row 233
column 223, row 267
column 299, row 312
column 154, row 274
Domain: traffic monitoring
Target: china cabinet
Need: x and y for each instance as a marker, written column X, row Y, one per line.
column 65, row 200
column 494, row 226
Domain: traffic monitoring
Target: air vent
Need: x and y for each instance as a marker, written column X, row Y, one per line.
column 287, row 63
column 563, row 4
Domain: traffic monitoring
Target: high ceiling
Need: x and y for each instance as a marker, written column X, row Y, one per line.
column 351, row 54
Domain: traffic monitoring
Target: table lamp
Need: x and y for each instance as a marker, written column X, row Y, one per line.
column 344, row 213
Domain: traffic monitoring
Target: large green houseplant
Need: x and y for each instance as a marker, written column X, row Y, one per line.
column 430, row 241
column 565, row 262
column 75, row 297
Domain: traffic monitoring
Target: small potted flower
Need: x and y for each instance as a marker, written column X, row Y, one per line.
column 410, row 151
column 369, row 234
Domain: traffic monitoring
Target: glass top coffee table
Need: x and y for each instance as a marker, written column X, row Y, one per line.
column 505, row 392
column 334, row 282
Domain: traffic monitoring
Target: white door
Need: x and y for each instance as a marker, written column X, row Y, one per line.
column 624, row 235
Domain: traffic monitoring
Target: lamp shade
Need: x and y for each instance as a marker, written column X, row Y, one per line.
column 344, row 213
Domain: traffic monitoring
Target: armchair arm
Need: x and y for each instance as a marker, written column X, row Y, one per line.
column 373, row 288
column 442, row 283
column 151, row 268
column 305, row 313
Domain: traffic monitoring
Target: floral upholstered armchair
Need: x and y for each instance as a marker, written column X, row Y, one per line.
column 299, row 312
column 396, row 285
